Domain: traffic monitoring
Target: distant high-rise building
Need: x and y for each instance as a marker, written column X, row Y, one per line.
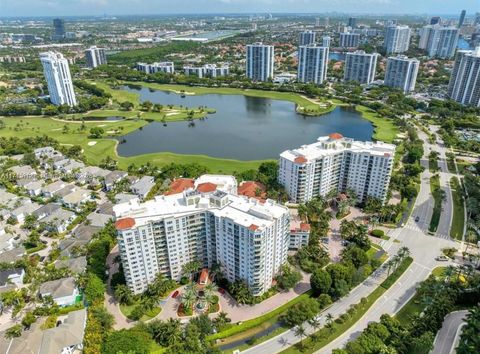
column 464, row 85
column 207, row 70
column 306, row 38
column 317, row 21
column 59, row 28
column 349, row 40
column 254, row 26
column 326, row 41
column 327, row 21
column 461, row 20
column 352, row 22
column 95, row 57
column 436, row 20
column 260, row 61
column 477, row 19
column 397, row 39
column 360, row 67
column 312, row 64
column 59, row 81
column 166, row 67
column 401, row 73
column 439, row 41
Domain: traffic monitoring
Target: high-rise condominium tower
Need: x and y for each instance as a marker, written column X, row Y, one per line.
column 312, row 64
column 439, row 41
column 360, row 67
column 248, row 239
column 464, row 85
column 95, row 56
column 306, row 38
column 59, row 81
column 397, row 39
column 337, row 164
column 260, row 61
column 401, row 73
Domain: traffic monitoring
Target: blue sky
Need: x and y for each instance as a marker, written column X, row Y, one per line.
column 128, row 7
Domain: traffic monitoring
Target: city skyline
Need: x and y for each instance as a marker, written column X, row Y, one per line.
column 38, row 8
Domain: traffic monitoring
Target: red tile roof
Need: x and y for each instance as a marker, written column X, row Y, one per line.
column 335, row 136
column 125, row 223
column 253, row 227
column 249, row 189
column 203, row 279
column 180, row 185
column 206, row 187
column 304, row 227
column 300, row 159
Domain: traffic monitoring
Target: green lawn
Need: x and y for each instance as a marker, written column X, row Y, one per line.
column 385, row 129
column 127, row 310
column 437, row 194
column 326, row 335
column 23, row 127
column 414, row 305
column 458, row 221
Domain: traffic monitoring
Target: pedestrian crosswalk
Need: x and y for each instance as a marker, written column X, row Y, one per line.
column 415, row 227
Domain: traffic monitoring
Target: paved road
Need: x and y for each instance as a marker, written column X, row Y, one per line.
column 423, row 249
column 447, row 338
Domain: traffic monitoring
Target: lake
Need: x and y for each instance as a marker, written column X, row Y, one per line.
column 243, row 128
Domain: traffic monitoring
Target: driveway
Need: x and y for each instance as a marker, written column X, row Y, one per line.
column 448, row 336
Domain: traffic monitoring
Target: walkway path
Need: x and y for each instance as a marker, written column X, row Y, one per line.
column 112, row 306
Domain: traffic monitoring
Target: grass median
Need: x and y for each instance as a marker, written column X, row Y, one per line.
column 329, row 333
column 458, row 221
column 438, row 196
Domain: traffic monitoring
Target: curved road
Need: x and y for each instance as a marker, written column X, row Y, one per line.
column 448, row 336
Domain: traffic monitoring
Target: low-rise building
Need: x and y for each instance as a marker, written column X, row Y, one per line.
column 113, row 178
column 59, row 220
column 64, row 292
column 11, row 277
column 76, row 199
column 76, row 265
column 143, row 186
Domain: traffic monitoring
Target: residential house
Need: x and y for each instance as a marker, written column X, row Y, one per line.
column 98, row 219
column 23, row 172
column 13, row 255
column 26, row 208
column 49, row 190
column 143, row 186
column 76, row 199
column 44, row 152
column 65, row 338
column 69, row 246
column 33, row 188
column 46, row 210
column 85, row 232
column 113, row 178
column 76, row 265
column 124, row 197
column 59, row 220
column 11, row 276
column 92, row 175
column 63, row 291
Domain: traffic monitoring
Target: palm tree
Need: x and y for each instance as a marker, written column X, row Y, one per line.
column 221, row 320
column 123, row 294
column 300, row 332
column 315, row 323
column 388, row 265
column 470, row 237
column 149, row 303
column 188, row 299
column 329, row 318
column 210, row 288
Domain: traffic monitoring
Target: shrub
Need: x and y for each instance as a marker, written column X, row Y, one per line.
column 377, row 233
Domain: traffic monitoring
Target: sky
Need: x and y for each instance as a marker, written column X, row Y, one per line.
column 21, row 8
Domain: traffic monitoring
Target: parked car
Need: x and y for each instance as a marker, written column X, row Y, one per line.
column 175, row 294
column 221, row 291
column 417, row 218
column 442, row 258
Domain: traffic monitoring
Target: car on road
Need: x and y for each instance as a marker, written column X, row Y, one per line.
column 417, row 218
column 175, row 294
column 441, row 258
